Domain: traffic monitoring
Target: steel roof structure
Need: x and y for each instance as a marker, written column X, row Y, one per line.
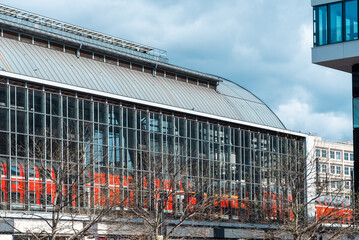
column 229, row 100
column 17, row 16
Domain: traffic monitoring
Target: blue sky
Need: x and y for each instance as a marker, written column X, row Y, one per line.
column 263, row 45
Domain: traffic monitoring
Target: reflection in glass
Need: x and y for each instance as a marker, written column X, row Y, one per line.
column 351, row 20
column 335, row 22
column 356, row 112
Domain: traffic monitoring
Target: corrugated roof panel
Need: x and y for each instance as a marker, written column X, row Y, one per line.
column 17, row 64
column 231, row 89
column 244, row 109
column 230, row 101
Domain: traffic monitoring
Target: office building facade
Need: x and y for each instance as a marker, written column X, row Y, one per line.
column 336, row 45
column 335, row 167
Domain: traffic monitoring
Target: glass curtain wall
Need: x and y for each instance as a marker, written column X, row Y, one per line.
column 351, row 20
column 335, row 22
column 113, row 152
column 335, row 13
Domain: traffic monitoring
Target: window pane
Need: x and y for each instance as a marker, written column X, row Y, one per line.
column 20, row 98
column 335, row 22
column 324, row 153
column 38, row 101
column 4, row 119
column 4, row 139
column 356, row 112
column 351, row 20
column 3, row 95
column 322, row 25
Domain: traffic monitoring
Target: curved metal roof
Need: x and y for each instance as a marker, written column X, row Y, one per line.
column 229, row 101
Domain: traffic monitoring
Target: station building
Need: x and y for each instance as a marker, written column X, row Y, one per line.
column 115, row 110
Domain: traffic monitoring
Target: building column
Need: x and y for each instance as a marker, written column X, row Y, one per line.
column 355, row 87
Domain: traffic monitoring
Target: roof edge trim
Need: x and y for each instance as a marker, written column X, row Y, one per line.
column 143, row 102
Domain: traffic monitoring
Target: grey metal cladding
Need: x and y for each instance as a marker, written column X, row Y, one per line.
column 229, row 101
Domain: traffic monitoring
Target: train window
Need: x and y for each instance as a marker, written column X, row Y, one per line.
column 15, row 197
column 32, row 172
column 32, row 199
column 2, row 172
column 15, row 171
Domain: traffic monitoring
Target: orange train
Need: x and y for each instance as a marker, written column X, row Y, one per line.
column 333, row 211
column 176, row 201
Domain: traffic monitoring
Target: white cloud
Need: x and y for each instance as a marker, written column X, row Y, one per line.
column 299, row 116
column 264, row 46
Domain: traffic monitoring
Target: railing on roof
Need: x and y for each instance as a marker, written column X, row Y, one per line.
column 93, row 37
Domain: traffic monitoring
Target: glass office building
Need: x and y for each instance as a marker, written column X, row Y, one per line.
column 336, row 45
column 114, row 110
column 335, row 22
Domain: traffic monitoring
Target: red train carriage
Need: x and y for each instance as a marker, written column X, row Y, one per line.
column 332, row 210
column 184, row 198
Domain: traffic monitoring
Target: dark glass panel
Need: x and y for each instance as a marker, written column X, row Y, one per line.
column 4, row 138
column 335, row 22
column 64, row 106
column 72, row 129
column 12, row 120
column 55, row 99
column 21, row 122
column 193, row 129
column 56, row 127
column 181, row 127
column 131, row 118
column 322, row 25
column 12, row 96
column 38, row 101
column 351, row 20
column 20, row 98
column 21, row 145
column 31, row 123
column 4, row 119
column 102, row 113
column 87, row 110
column 3, row 95
column 31, row 100
column 48, row 126
column 48, row 103
column 131, row 138
column 13, row 144
column 72, row 107
column 356, row 112
column 39, row 124
column 96, row 111
column 116, row 115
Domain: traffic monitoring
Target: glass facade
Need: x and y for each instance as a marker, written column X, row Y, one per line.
column 351, row 20
column 335, row 13
column 119, row 145
column 335, row 22
column 356, row 112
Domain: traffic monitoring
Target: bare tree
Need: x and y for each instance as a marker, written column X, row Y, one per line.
column 301, row 215
column 65, row 185
column 169, row 197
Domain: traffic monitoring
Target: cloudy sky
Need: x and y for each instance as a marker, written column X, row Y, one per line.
column 263, row 45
